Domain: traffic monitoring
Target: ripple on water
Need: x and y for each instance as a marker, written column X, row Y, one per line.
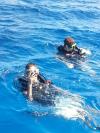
column 31, row 31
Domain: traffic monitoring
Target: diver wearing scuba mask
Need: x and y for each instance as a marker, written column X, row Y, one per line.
column 70, row 47
column 32, row 77
column 32, row 72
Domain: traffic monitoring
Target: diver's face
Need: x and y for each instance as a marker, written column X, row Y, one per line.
column 32, row 72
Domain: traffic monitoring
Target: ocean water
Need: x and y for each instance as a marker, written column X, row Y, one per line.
column 30, row 31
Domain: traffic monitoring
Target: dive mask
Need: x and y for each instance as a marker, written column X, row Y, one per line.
column 32, row 72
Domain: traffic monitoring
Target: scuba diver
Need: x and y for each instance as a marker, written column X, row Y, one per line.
column 37, row 88
column 32, row 77
column 70, row 48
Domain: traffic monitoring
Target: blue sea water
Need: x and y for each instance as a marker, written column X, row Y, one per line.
column 30, row 31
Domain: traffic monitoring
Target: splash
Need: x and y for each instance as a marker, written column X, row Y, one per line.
column 73, row 107
column 70, row 106
column 65, row 61
column 88, row 52
column 87, row 68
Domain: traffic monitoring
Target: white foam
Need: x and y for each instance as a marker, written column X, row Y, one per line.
column 70, row 108
column 85, row 67
column 88, row 52
column 66, row 62
column 69, row 65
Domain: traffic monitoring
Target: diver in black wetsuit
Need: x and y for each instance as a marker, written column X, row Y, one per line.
column 70, row 47
column 30, row 78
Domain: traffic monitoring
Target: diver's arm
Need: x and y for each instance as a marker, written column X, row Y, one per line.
column 30, row 90
column 78, row 49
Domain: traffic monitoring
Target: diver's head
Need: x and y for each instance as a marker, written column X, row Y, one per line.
column 31, row 70
column 69, row 42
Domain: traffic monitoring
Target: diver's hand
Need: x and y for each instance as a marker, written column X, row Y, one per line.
column 30, row 97
column 81, row 52
column 48, row 82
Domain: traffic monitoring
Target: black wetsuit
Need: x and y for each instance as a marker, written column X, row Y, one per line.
column 76, row 52
column 61, row 49
column 42, row 92
column 24, row 82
